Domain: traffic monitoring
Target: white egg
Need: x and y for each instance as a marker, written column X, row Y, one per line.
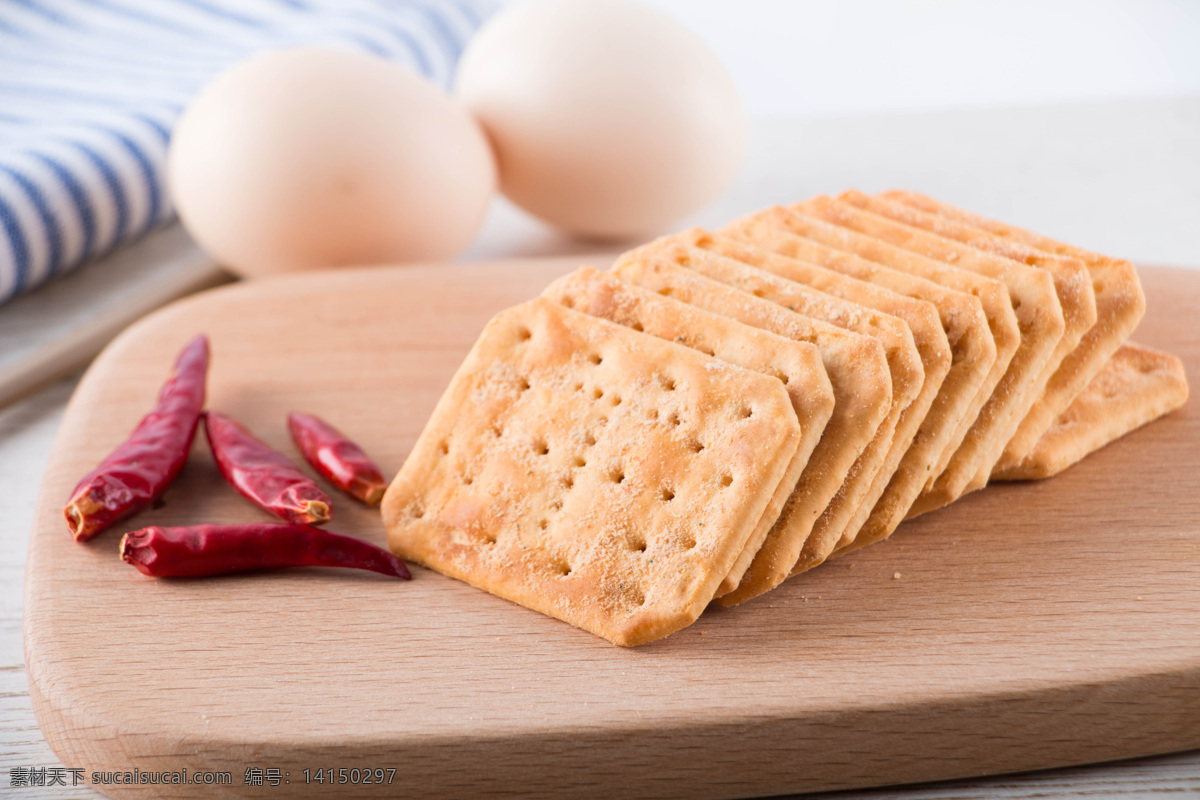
column 300, row 159
column 608, row 119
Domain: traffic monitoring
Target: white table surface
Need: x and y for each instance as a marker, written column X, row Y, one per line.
column 1117, row 177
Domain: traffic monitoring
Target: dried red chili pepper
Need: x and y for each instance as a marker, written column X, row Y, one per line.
column 341, row 461
column 200, row 550
column 264, row 476
column 140, row 469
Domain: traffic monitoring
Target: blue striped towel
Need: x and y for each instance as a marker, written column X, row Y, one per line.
column 90, row 89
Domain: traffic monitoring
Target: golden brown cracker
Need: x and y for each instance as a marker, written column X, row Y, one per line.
column 797, row 364
column 961, row 316
column 992, row 295
column 1039, row 317
column 1072, row 284
column 593, row 473
column 921, row 435
column 1120, row 304
column 1137, row 385
column 1072, row 279
column 858, row 372
column 881, row 458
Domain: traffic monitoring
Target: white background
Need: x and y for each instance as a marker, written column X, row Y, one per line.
column 808, row 57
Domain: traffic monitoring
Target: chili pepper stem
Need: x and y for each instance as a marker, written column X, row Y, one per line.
column 74, row 520
column 78, row 512
column 316, row 512
column 128, row 554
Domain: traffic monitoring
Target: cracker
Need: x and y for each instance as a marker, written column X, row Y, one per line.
column 881, row 458
column 1072, row 284
column 543, row 477
column 1120, row 304
column 1039, row 317
column 1137, row 385
column 961, row 316
column 818, row 510
column 992, row 295
column 797, row 364
column 924, row 430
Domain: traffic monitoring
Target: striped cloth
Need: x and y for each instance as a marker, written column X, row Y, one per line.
column 90, row 89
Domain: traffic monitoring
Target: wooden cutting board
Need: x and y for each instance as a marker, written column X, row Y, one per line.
column 1026, row 626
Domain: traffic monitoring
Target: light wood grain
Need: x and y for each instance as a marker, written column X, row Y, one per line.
column 1030, row 626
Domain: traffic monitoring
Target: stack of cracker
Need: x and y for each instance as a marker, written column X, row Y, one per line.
column 723, row 410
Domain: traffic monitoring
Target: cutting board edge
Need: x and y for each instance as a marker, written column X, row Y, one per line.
column 823, row 738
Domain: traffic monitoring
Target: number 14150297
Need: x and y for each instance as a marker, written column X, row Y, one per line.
column 351, row 775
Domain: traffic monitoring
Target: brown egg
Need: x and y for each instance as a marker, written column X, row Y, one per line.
column 301, row 159
column 608, row 118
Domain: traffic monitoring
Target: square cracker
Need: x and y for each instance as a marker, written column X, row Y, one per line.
column 817, row 511
column 991, row 293
column 797, row 364
column 1039, row 318
column 960, row 315
column 1137, row 385
column 545, row 476
column 1072, row 284
column 910, row 458
column 879, row 461
column 1120, row 304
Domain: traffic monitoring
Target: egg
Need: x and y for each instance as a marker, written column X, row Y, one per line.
column 309, row 158
column 608, row 119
